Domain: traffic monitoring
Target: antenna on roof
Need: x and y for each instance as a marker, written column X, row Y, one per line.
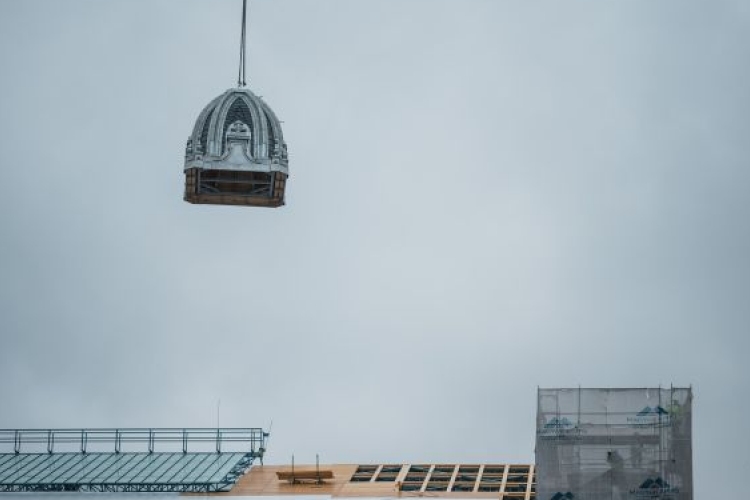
column 241, row 72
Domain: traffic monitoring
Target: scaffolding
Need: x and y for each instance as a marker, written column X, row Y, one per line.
column 614, row 444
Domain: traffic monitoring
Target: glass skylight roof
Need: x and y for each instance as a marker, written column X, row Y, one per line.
column 176, row 471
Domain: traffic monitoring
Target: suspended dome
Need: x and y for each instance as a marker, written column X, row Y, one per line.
column 236, row 154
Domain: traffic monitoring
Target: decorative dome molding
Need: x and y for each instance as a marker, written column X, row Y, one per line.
column 237, row 131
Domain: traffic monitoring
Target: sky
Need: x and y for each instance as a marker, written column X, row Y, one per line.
column 486, row 197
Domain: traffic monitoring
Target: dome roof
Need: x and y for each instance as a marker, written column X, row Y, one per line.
column 237, row 131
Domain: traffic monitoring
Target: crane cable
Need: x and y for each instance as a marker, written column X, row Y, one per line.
column 241, row 73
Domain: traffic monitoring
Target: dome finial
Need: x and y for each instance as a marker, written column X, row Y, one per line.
column 241, row 73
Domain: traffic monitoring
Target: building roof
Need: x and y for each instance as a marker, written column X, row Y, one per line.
column 206, row 471
column 148, row 460
column 503, row 481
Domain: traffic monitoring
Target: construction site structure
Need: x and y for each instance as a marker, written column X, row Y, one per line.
column 614, row 444
column 197, row 460
column 591, row 444
column 391, row 480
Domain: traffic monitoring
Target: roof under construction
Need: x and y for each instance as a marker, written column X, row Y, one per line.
column 503, row 481
column 590, row 443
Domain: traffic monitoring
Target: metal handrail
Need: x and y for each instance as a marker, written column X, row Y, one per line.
column 254, row 436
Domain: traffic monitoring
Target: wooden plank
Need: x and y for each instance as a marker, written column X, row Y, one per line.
column 505, row 479
column 453, row 477
column 401, row 476
column 377, row 472
column 479, row 478
column 304, row 475
column 427, row 478
column 530, row 482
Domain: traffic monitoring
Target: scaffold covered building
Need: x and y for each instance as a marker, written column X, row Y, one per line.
column 618, row 444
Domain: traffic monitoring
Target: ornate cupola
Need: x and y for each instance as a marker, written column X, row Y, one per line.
column 236, row 154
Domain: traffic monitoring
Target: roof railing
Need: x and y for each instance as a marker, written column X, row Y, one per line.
column 251, row 439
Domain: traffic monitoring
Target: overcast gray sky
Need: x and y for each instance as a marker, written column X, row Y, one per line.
column 485, row 197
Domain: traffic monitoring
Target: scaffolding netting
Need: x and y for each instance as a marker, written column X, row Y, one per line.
column 614, row 444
